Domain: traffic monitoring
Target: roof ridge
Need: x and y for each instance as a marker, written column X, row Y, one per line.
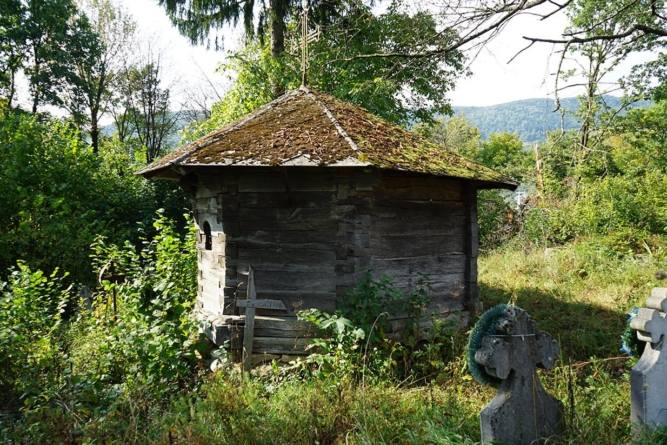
column 331, row 117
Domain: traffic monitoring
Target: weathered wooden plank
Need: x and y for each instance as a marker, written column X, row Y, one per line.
column 285, row 327
column 402, row 180
column 210, row 301
column 285, row 259
column 418, row 192
column 428, row 210
column 292, row 236
column 249, row 328
column 288, row 242
column 280, row 214
column 410, row 226
column 389, row 246
column 426, row 324
column 277, row 345
column 210, row 182
column 215, row 276
column 436, row 306
column 207, row 257
column 434, row 207
column 261, row 304
column 319, row 225
column 281, row 199
column 299, row 179
column 323, row 281
column 417, row 264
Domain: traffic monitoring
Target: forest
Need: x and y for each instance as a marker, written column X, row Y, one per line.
column 98, row 270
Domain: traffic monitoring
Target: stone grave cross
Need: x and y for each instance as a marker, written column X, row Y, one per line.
column 648, row 378
column 522, row 412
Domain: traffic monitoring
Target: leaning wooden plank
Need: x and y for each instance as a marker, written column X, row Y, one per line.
column 277, row 345
column 284, row 327
column 249, row 329
column 261, row 304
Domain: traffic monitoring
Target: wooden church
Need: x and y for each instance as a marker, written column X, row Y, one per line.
column 310, row 191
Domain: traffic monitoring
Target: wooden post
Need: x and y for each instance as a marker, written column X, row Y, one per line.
column 538, row 170
column 249, row 330
column 251, row 304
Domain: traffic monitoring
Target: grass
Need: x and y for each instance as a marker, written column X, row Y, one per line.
column 579, row 293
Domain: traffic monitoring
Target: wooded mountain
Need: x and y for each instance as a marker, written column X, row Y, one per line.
column 530, row 118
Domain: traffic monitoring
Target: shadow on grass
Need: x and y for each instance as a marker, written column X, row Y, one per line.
column 584, row 330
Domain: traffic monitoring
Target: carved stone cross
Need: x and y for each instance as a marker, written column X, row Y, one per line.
column 522, row 412
column 648, row 378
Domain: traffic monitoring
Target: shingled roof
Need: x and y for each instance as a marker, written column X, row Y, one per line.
column 306, row 127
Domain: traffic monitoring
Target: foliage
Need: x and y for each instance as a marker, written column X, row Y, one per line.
column 144, row 108
column 46, row 41
column 401, row 91
column 131, row 351
column 358, row 340
column 47, row 194
column 58, row 195
column 611, row 190
column 98, row 76
column 31, row 306
column 149, row 331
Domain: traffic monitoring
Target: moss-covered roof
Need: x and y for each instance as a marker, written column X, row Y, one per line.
column 310, row 128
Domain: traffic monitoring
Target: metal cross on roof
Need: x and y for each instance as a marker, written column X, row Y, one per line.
column 306, row 38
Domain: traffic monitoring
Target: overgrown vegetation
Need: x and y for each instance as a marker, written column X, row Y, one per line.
column 134, row 380
column 127, row 365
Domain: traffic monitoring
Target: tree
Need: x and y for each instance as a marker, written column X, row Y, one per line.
column 91, row 96
column 401, row 91
column 144, row 109
column 11, row 46
column 455, row 134
column 45, row 40
column 57, row 37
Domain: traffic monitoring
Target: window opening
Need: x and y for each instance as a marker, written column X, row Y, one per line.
column 208, row 242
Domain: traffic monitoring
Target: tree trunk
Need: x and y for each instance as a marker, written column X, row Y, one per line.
column 278, row 12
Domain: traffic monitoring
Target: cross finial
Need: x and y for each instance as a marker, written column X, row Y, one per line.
column 306, row 38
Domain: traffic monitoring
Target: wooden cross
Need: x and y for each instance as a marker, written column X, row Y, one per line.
column 251, row 304
column 306, row 38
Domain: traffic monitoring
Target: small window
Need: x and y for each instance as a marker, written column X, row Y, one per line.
column 208, row 243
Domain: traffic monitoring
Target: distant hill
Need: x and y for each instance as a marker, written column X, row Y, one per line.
column 530, row 118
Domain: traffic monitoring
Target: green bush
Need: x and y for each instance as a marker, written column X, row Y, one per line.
column 31, row 305
column 104, row 369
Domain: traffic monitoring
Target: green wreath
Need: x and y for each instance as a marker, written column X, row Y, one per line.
column 486, row 325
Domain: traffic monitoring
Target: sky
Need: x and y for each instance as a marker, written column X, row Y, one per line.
column 493, row 81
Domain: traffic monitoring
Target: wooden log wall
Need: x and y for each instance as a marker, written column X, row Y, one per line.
column 308, row 233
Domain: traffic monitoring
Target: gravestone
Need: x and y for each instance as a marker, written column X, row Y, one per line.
column 648, row 378
column 522, row 412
